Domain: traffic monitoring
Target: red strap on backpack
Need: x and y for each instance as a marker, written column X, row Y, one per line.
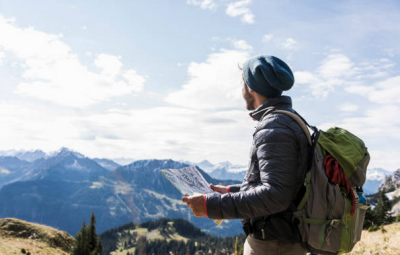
column 337, row 176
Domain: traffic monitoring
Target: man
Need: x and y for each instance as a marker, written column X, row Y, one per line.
column 278, row 163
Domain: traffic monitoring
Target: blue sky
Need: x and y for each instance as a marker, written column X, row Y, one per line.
column 159, row 79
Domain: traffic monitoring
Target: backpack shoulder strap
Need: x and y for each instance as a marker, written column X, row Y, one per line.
column 300, row 121
column 303, row 124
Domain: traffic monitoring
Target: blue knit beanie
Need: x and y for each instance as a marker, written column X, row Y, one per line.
column 267, row 75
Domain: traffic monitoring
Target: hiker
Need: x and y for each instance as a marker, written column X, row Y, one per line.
column 277, row 166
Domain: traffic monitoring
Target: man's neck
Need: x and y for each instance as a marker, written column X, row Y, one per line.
column 259, row 101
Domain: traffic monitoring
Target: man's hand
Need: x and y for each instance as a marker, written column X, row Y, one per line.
column 219, row 188
column 196, row 204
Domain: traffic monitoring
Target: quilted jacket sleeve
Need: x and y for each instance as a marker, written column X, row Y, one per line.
column 234, row 188
column 277, row 155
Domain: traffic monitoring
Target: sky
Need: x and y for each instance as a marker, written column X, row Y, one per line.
column 160, row 79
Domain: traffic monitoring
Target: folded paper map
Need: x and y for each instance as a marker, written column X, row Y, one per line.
column 189, row 181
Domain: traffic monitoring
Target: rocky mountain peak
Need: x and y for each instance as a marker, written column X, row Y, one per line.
column 205, row 165
column 391, row 181
column 64, row 152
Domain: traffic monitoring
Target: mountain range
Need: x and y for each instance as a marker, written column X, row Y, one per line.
column 61, row 190
column 223, row 170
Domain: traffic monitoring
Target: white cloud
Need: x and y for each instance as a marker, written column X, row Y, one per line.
column 348, row 107
column 2, row 56
column 241, row 8
column 305, row 77
column 110, row 65
column 52, row 72
column 213, row 84
column 289, row 44
column 242, row 45
column 134, row 79
column 170, row 132
column 33, row 126
column 336, row 66
column 389, row 52
column 387, row 91
column 360, row 89
column 234, row 9
column 162, row 132
column 338, row 70
column 204, row 4
column 387, row 159
column 237, row 44
column 383, row 92
column 267, row 38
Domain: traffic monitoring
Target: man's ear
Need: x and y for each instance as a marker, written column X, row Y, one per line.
column 250, row 90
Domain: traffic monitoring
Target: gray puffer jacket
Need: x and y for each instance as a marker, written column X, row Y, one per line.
column 280, row 167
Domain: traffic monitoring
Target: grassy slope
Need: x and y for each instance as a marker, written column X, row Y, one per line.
column 379, row 242
column 16, row 235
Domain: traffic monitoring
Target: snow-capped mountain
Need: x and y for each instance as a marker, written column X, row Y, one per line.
column 29, row 156
column 8, row 153
column 230, row 167
column 66, row 164
column 391, row 181
column 65, row 152
column 227, row 171
column 375, row 176
column 205, row 165
column 222, row 171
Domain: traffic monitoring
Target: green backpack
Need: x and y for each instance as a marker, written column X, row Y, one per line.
column 332, row 210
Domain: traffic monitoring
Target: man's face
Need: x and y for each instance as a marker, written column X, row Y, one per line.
column 249, row 98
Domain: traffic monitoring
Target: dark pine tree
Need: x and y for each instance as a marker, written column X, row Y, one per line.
column 382, row 210
column 87, row 241
column 82, row 247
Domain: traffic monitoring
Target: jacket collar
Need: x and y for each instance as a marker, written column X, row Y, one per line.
column 272, row 104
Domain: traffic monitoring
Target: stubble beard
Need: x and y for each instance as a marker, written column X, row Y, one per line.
column 249, row 100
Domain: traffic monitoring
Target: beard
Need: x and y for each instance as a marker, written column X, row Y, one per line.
column 249, row 99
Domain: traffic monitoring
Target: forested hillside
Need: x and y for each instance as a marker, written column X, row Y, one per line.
column 164, row 236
